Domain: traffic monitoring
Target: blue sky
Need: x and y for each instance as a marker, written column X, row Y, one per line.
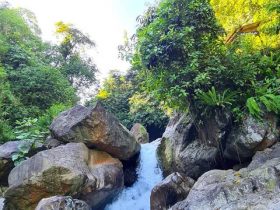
column 104, row 20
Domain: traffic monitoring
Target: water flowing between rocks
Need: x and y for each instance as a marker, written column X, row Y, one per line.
column 137, row 197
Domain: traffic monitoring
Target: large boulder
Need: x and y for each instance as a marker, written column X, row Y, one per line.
column 6, row 164
column 140, row 133
column 191, row 147
column 72, row 170
column 62, row 202
column 11, row 148
column 250, row 136
column 96, row 128
column 171, row 190
column 254, row 187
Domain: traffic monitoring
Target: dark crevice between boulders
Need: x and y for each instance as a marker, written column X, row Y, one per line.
column 155, row 132
column 129, row 170
column 5, row 173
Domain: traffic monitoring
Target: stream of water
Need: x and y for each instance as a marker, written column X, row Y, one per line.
column 137, row 197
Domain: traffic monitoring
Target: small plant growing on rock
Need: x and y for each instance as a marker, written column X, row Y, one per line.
column 29, row 134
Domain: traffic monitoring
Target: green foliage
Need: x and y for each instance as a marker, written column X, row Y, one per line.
column 6, row 131
column 121, row 95
column 114, row 94
column 79, row 71
column 269, row 102
column 72, row 60
column 234, row 14
column 147, row 111
column 41, row 87
column 7, row 103
column 180, row 52
column 29, row 134
column 253, row 107
column 46, row 119
column 172, row 49
column 213, row 99
column 32, row 132
column 35, row 78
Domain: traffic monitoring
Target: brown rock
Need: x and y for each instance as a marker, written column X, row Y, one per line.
column 172, row 189
column 70, row 169
column 96, row 128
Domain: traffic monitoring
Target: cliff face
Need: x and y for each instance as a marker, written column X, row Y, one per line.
column 254, row 187
column 194, row 147
column 191, row 147
column 197, row 149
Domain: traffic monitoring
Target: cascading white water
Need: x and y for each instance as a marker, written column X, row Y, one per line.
column 137, row 197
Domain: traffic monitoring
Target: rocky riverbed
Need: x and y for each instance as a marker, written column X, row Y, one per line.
column 91, row 161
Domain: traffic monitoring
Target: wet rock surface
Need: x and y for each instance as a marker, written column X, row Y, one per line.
column 62, row 202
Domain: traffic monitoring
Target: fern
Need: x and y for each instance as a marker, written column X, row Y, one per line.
column 253, row 107
column 214, row 99
column 270, row 103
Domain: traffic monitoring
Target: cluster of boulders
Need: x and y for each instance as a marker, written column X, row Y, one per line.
column 80, row 168
column 235, row 165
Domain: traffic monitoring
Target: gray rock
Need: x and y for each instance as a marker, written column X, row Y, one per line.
column 6, row 163
column 140, row 133
column 252, row 135
column 255, row 187
column 11, row 148
column 261, row 157
column 70, row 169
column 191, row 148
column 171, row 190
column 50, row 142
column 96, row 128
column 62, row 202
column 8, row 149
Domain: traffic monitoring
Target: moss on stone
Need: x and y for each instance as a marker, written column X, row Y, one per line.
column 165, row 156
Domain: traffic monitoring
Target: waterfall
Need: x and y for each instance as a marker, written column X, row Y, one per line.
column 137, row 197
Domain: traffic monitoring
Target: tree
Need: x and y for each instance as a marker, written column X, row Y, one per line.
column 177, row 44
column 79, row 69
column 181, row 55
column 121, row 95
column 261, row 16
column 30, row 85
column 7, row 103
